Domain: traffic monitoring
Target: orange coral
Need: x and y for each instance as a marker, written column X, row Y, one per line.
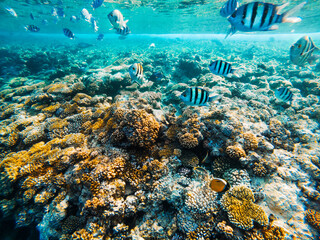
column 235, row 151
column 313, row 218
column 251, row 141
column 188, row 140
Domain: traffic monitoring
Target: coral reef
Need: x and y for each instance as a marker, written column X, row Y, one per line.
column 238, row 202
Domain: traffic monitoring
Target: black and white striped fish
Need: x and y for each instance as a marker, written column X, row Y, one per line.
column 260, row 16
column 67, row 32
column 197, row 96
column 124, row 31
column 136, row 73
column 284, row 94
column 32, row 28
column 97, row 3
column 303, row 51
column 223, row 68
column 229, row 7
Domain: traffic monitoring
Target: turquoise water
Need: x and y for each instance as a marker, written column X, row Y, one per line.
column 90, row 150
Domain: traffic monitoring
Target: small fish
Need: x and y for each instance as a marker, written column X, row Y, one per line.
column 229, row 7
column 136, row 73
column 86, row 15
column 223, row 68
column 284, row 94
column 196, row 96
column 31, row 16
column 124, row 31
column 74, row 19
column 67, row 32
column 100, row 37
column 259, row 16
column 94, row 24
column 303, row 51
column 156, row 76
column 116, row 19
column 32, row 28
column 45, row 22
column 97, row 3
column 219, row 185
column 11, row 11
column 58, row 12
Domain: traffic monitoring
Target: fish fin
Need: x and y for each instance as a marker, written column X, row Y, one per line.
column 125, row 22
column 280, row 7
column 231, row 31
column 213, row 98
column 316, row 50
column 311, row 60
column 285, row 16
column 274, row 27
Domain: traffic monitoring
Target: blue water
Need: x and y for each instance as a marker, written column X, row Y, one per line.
column 85, row 152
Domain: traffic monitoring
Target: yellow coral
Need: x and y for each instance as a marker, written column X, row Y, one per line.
column 235, row 151
column 251, row 141
column 52, row 108
column 313, row 218
column 238, row 202
column 188, row 140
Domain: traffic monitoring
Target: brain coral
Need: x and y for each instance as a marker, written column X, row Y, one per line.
column 238, row 202
column 313, row 218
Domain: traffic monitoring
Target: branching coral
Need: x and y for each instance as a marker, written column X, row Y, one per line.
column 238, row 202
column 235, row 151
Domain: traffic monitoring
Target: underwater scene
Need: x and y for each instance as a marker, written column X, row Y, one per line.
column 152, row 120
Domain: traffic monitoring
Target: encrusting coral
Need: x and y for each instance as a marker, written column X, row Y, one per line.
column 238, row 202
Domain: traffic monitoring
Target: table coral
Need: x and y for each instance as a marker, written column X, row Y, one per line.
column 238, row 202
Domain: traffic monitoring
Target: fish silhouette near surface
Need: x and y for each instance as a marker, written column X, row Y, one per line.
column 116, row 19
column 303, row 51
column 260, row 16
column 67, row 32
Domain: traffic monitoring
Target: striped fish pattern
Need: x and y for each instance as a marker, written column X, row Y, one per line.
column 196, row 96
column 302, row 51
column 284, row 94
column 220, row 67
column 229, row 7
column 32, row 28
column 124, row 31
column 97, row 3
column 67, row 32
column 259, row 16
column 136, row 73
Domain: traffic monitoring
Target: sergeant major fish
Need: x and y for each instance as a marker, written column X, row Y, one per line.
column 136, row 73
column 223, row 68
column 67, row 32
column 284, row 94
column 116, row 19
column 259, row 16
column 196, row 96
column 124, row 31
column 32, row 28
column 229, row 7
column 303, row 51
column 100, row 37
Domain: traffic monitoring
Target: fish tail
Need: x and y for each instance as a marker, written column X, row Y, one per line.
column 234, row 72
column 285, row 16
column 213, row 98
column 231, row 31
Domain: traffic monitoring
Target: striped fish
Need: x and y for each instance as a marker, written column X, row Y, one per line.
column 136, row 73
column 96, row 3
column 259, row 16
column 67, row 32
column 116, row 19
column 124, row 31
column 284, row 94
column 197, row 96
column 223, row 68
column 229, row 7
column 32, row 28
column 303, row 51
